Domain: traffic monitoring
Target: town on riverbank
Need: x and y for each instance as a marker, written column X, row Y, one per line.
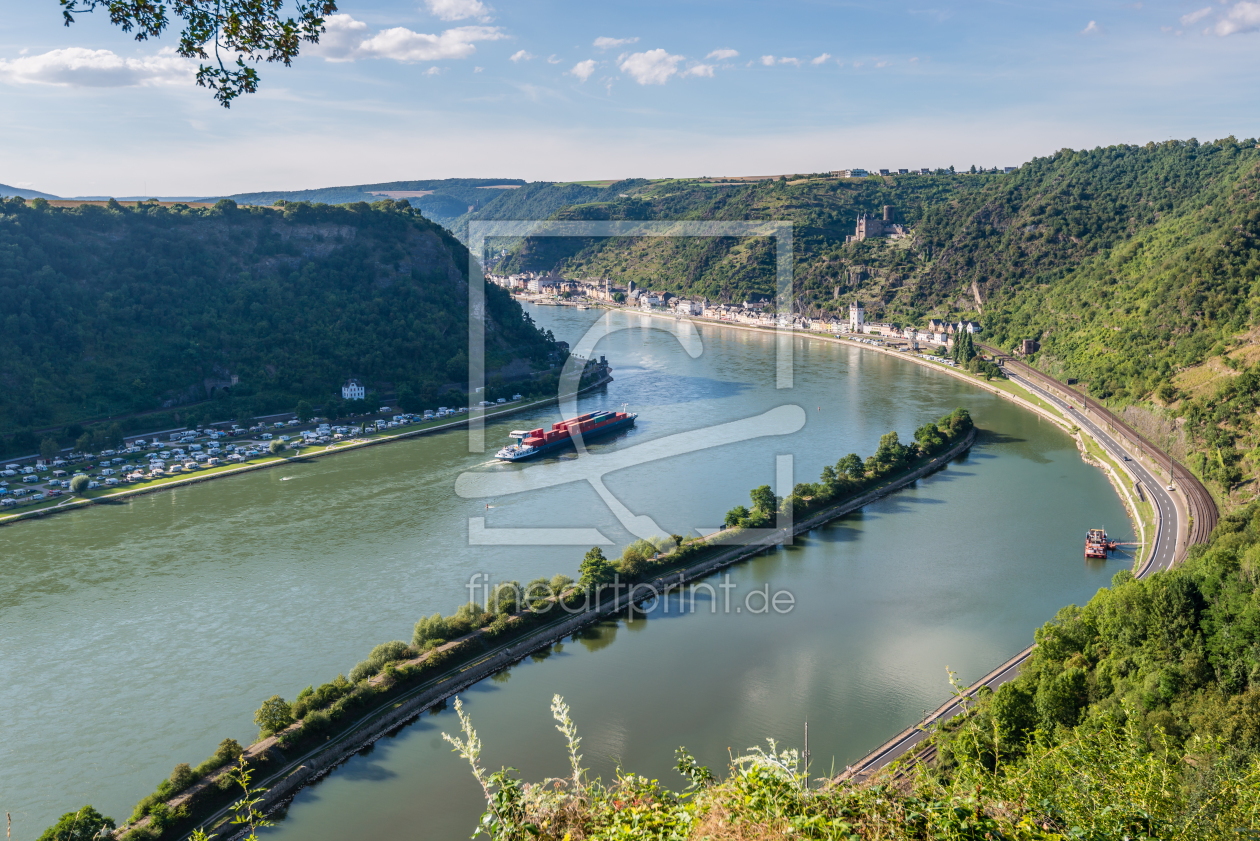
column 939, row 339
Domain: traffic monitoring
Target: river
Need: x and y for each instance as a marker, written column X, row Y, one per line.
column 138, row 635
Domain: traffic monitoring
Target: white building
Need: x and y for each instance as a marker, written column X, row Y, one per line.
column 541, row 285
column 353, row 390
column 857, row 317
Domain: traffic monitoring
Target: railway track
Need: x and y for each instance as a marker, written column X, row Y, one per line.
column 916, row 742
column 1203, row 511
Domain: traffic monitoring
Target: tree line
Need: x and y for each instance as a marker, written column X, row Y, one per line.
column 153, row 316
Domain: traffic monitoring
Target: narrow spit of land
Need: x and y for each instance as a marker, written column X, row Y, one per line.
column 473, row 658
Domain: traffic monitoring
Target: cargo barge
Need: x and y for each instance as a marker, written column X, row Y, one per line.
column 536, row 442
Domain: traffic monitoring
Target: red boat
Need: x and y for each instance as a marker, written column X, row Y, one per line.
column 535, row 442
column 1097, row 544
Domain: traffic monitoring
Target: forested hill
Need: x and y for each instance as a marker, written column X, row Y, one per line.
column 822, row 209
column 109, row 310
column 443, row 200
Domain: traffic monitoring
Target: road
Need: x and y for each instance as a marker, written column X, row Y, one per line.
column 1161, row 557
column 1166, row 532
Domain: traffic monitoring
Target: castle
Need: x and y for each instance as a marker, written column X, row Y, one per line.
column 870, row 227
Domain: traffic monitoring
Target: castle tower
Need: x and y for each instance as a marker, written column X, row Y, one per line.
column 857, row 317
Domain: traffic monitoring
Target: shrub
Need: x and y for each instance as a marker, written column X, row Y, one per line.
column 78, row 826
column 560, row 583
column 537, row 594
column 430, row 629
column 388, row 652
column 363, row 670
column 316, row 722
column 141, row 833
column 506, row 597
column 227, row 752
column 181, row 778
column 632, row 562
column 498, row 627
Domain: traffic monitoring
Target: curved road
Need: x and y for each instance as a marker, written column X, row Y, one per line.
column 1164, row 543
column 1161, row 557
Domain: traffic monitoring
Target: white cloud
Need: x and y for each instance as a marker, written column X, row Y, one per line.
column 553, row 59
column 583, row 69
column 478, row 69
column 767, row 60
column 521, row 55
column 459, row 9
column 1195, row 17
column 699, row 70
column 723, row 54
column 603, row 42
column 795, row 62
column 653, row 67
column 346, row 40
column 1243, row 17
column 1091, row 28
column 84, row 68
column 822, row 59
column 434, row 71
column 342, row 37
column 404, row 45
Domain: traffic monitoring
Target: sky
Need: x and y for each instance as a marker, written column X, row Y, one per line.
column 559, row 91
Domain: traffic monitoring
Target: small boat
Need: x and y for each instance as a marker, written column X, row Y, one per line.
column 1098, row 544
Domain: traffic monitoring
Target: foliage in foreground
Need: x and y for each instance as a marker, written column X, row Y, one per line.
column 1101, row 785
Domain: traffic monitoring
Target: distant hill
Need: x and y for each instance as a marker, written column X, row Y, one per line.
column 440, row 200
column 21, row 192
column 1136, row 268
column 231, row 312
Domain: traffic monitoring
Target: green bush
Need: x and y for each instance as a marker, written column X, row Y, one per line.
column 228, row 751
column 430, row 629
column 388, row 652
column 316, row 722
column 632, row 563
column 82, row 825
column 181, row 778
column 363, row 670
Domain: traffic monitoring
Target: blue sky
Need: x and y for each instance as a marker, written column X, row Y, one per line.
column 578, row 90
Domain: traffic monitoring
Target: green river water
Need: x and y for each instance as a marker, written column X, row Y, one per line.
column 138, row 635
